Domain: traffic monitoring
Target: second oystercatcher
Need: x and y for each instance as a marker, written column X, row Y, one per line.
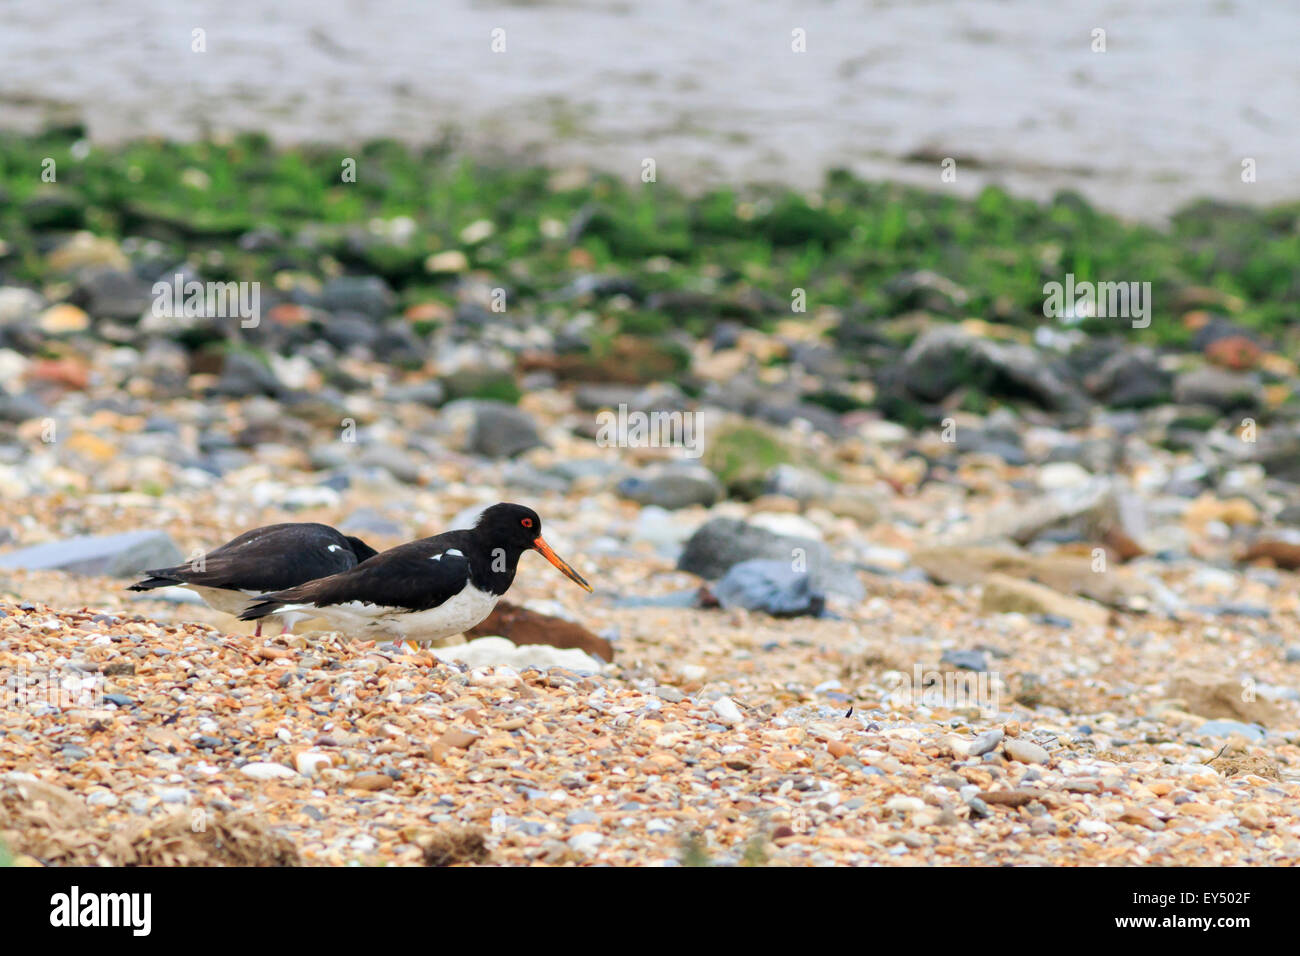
column 265, row 559
column 424, row 590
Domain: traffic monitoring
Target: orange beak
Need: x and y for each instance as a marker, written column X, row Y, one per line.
column 545, row 551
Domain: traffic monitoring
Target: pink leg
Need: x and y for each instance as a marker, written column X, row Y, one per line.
column 258, row 632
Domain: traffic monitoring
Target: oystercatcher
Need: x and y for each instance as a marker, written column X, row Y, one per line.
column 265, row 559
column 424, row 590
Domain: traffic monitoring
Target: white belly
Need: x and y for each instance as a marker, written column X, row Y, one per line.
column 454, row 616
column 225, row 600
column 233, row 602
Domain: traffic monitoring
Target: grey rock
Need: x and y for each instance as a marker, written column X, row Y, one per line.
column 522, row 475
column 112, row 555
column 398, row 345
column 398, row 462
column 770, row 586
column 501, row 431
column 421, row 393
column 1002, row 443
column 243, row 374
column 369, row 521
column 1230, row 728
column 784, row 413
column 673, row 488
column 1218, row 388
column 110, row 294
column 946, row 358
column 1099, row 456
column 1131, row 378
column 20, row 407
column 346, row 330
column 723, row 542
column 986, row 743
column 966, row 660
column 584, row 468
column 798, row 483
column 368, row 295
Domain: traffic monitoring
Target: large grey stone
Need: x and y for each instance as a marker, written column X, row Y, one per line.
column 771, row 586
column 723, row 542
column 673, row 488
column 111, row 555
column 1219, row 388
column 501, row 431
column 948, row 357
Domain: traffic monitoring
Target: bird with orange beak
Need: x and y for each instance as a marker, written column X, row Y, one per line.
column 425, row 590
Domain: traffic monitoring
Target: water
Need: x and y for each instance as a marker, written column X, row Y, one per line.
column 710, row 89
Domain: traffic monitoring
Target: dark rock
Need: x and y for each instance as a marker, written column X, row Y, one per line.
column 723, row 542
column 347, row 330
column 112, row 294
column 947, row 358
column 1130, row 379
column 398, row 345
column 243, row 374
column 771, row 586
column 368, row 295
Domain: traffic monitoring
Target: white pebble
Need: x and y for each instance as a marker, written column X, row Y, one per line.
column 727, row 711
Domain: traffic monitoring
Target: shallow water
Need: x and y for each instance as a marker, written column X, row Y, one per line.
column 709, row 88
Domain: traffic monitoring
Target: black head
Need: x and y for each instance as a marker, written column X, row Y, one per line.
column 518, row 529
column 360, row 548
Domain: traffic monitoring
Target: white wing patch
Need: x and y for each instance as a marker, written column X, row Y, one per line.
column 449, row 552
column 334, row 547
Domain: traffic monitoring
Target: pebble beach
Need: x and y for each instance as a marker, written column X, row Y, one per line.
column 1041, row 607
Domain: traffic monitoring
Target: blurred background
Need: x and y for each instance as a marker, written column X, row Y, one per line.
column 1012, row 89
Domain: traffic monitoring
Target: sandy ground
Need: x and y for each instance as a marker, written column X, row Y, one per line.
column 717, row 736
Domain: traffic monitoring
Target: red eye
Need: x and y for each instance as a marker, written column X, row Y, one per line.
column 526, row 522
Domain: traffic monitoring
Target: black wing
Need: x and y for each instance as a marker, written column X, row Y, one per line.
column 265, row 559
column 414, row 576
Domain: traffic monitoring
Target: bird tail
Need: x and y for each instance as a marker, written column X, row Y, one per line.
column 262, row 606
column 155, row 579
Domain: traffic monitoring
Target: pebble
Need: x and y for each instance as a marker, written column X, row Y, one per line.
column 985, row 743
column 265, row 771
column 1024, row 751
column 727, row 711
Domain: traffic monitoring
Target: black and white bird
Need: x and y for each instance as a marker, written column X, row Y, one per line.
column 270, row 558
column 424, row 590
